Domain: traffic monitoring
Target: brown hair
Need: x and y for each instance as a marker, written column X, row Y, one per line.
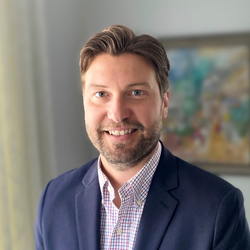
column 118, row 39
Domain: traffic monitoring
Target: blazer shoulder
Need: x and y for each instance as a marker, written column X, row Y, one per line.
column 57, row 209
column 201, row 176
column 190, row 177
column 71, row 181
column 75, row 174
column 203, row 185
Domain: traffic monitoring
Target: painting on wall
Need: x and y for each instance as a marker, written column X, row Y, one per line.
column 208, row 123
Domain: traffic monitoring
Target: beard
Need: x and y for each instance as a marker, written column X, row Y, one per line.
column 123, row 157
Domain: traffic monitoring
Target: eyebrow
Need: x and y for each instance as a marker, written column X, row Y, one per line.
column 138, row 84
column 94, row 85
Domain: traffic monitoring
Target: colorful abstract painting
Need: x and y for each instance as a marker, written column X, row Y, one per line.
column 208, row 119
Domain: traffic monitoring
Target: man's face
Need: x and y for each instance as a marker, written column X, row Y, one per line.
column 123, row 108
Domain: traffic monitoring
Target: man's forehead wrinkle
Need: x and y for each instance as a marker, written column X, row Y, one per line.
column 96, row 85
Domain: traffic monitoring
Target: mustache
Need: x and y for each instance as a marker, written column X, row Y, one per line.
column 125, row 123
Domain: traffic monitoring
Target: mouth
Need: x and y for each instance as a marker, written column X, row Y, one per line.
column 120, row 132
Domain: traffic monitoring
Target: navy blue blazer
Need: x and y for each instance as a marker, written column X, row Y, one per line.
column 186, row 209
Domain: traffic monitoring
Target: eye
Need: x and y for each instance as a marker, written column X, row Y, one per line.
column 137, row 92
column 100, row 94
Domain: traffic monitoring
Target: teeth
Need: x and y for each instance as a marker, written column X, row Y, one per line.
column 120, row 132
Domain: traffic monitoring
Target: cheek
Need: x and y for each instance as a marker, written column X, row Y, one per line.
column 93, row 115
column 148, row 114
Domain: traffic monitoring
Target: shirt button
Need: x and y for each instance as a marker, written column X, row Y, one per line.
column 139, row 202
column 109, row 189
column 119, row 231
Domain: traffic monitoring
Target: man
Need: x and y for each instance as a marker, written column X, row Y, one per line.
column 136, row 195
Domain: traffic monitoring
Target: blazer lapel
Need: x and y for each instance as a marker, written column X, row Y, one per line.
column 160, row 204
column 88, row 207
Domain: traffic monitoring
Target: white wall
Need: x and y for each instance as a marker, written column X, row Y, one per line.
column 169, row 17
column 70, row 23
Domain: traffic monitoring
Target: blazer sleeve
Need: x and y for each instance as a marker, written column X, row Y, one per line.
column 39, row 241
column 231, row 228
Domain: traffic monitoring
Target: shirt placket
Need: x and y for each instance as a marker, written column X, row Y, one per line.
column 119, row 239
column 119, row 227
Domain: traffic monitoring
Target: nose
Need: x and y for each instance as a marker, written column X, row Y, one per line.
column 118, row 110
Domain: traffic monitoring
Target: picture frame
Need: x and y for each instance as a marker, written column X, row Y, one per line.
column 208, row 122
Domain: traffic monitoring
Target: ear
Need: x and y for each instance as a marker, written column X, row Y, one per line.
column 165, row 105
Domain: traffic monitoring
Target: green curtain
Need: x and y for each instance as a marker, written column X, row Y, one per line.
column 20, row 163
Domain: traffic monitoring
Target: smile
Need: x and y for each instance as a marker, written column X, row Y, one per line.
column 121, row 132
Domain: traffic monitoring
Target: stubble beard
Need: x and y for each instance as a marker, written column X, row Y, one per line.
column 125, row 157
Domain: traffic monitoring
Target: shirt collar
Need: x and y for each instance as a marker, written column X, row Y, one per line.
column 140, row 182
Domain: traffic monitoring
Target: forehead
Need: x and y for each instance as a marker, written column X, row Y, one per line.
column 124, row 67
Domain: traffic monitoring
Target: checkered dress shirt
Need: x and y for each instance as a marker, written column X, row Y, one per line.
column 119, row 226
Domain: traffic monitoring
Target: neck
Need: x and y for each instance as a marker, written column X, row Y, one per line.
column 119, row 176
